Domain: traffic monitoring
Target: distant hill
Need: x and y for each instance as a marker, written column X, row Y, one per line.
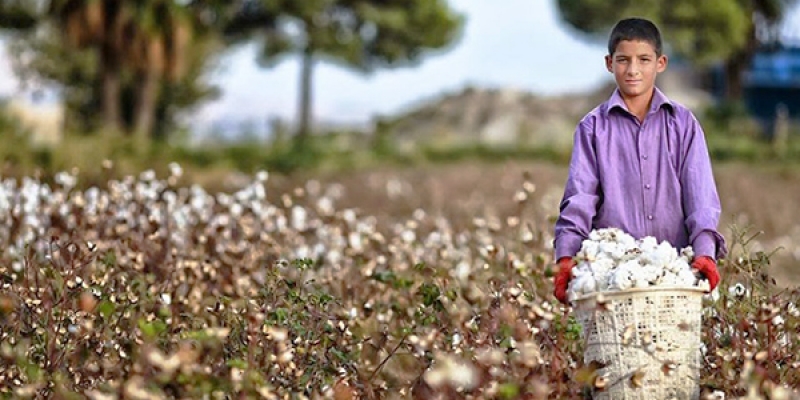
column 507, row 117
column 495, row 117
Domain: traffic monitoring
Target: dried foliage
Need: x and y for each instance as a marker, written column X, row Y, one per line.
column 146, row 289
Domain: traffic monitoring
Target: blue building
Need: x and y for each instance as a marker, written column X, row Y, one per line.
column 772, row 81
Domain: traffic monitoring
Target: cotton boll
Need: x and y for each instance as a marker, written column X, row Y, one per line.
column 628, row 241
column 589, row 285
column 686, row 277
column 589, row 251
column 649, row 273
column 670, row 280
column 624, row 284
column 620, row 280
column 631, row 266
column 660, row 255
column 605, row 264
column 574, row 283
column 674, row 266
column 601, row 277
column 641, row 283
column 624, row 275
column 616, row 251
column 610, row 259
column 582, row 284
column 648, row 244
column 687, row 253
column 596, row 235
column 580, row 270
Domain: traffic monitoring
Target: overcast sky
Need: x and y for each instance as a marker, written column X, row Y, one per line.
column 507, row 43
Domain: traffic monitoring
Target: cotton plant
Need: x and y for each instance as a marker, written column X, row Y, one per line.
column 612, row 260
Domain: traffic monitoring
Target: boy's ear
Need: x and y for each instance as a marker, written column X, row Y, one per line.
column 608, row 63
column 662, row 63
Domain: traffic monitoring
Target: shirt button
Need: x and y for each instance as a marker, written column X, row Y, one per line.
column 644, row 156
column 647, row 186
column 650, row 217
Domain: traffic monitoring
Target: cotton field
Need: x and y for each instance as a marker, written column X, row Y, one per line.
column 149, row 287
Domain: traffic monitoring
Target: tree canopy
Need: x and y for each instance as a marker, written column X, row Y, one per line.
column 128, row 66
column 703, row 32
column 364, row 35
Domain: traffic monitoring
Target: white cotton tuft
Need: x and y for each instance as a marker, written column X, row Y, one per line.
column 612, row 260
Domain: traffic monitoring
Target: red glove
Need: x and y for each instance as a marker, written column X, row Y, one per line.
column 707, row 267
column 565, row 265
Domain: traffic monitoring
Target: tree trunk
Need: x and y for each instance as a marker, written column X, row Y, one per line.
column 111, row 91
column 304, row 124
column 735, row 67
column 145, row 110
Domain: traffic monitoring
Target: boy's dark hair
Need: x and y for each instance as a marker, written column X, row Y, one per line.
column 635, row 29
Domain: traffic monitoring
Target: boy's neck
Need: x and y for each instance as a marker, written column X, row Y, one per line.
column 639, row 105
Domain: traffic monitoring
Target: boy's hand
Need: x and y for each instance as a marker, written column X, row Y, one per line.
column 565, row 265
column 707, row 267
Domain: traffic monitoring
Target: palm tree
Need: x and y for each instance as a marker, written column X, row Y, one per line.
column 161, row 32
column 95, row 24
column 140, row 44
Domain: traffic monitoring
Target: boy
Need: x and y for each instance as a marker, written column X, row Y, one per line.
column 639, row 163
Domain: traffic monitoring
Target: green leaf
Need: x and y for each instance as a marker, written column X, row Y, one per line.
column 110, row 259
column 106, row 308
column 508, row 391
column 430, row 293
column 303, row 264
column 237, row 363
column 32, row 370
column 151, row 330
column 384, row 276
column 279, row 315
column 403, row 283
column 58, row 283
column 702, row 32
column 339, row 355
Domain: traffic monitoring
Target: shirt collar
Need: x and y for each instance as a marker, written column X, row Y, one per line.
column 659, row 100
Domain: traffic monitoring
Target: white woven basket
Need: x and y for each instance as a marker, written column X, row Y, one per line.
column 650, row 333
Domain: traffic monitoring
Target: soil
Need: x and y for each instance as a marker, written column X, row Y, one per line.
column 757, row 198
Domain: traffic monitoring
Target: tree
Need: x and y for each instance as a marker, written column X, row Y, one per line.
column 704, row 32
column 99, row 26
column 160, row 35
column 127, row 50
column 363, row 35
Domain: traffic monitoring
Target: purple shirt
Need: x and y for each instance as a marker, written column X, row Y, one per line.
column 649, row 179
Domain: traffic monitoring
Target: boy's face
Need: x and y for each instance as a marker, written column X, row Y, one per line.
column 635, row 66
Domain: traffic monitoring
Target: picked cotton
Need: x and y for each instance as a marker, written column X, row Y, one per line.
column 612, row 260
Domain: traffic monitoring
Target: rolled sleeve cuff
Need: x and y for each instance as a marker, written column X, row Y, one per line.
column 705, row 245
column 568, row 246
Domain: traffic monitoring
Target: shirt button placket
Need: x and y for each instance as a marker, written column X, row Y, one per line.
column 646, row 176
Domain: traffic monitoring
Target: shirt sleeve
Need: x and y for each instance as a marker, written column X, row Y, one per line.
column 700, row 198
column 581, row 194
